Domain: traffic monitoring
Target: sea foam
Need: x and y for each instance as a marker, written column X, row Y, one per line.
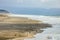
column 45, row 19
column 50, row 33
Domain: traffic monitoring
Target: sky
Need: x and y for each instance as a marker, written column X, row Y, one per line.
column 30, row 3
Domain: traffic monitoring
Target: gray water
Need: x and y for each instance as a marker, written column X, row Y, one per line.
column 48, row 33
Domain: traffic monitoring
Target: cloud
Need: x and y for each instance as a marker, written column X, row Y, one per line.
column 43, row 1
column 31, row 3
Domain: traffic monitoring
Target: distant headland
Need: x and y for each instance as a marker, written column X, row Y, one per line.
column 3, row 11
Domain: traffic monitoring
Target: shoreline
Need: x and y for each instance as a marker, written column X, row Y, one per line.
column 14, row 27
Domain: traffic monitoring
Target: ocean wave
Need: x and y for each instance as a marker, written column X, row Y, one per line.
column 45, row 19
column 48, row 34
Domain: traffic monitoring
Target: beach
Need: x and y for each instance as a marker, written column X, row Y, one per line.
column 52, row 33
column 12, row 27
column 48, row 33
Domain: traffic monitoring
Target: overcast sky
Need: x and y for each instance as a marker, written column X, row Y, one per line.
column 31, row 3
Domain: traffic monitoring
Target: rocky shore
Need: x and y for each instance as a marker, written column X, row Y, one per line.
column 15, row 27
column 20, row 30
column 25, row 27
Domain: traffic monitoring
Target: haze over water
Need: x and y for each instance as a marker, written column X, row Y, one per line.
column 47, row 11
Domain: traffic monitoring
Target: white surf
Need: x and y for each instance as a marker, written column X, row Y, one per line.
column 49, row 33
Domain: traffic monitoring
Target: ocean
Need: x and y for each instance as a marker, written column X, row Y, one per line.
column 48, row 33
column 50, row 16
column 33, row 11
column 52, row 33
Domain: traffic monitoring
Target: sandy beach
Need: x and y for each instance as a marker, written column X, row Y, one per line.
column 15, row 27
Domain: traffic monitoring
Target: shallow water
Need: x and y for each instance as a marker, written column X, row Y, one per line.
column 49, row 33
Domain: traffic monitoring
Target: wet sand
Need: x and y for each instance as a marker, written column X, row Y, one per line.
column 15, row 27
column 20, row 30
